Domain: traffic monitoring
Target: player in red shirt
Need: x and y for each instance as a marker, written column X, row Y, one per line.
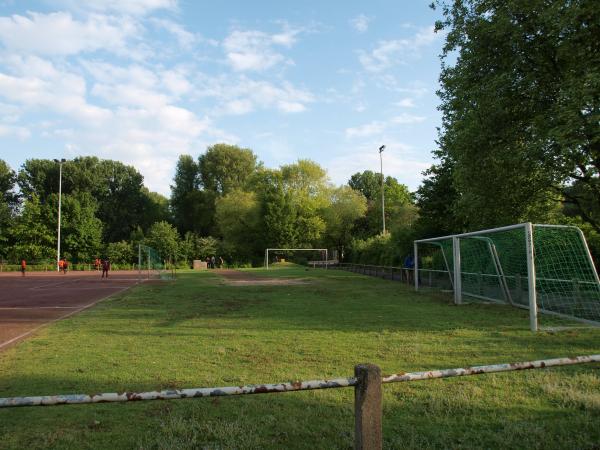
column 23, row 267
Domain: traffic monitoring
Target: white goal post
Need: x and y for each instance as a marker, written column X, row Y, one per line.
column 293, row 250
column 546, row 268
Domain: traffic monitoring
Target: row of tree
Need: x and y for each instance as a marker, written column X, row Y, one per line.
column 224, row 202
column 519, row 141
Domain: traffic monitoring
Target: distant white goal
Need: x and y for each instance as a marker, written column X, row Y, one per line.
column 546, row 268
column 283, row 251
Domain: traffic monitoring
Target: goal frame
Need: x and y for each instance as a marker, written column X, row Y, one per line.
column 528, row 227
column 293, row 250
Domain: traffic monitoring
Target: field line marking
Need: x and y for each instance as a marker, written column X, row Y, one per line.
column 27, row 333
column 2, row 308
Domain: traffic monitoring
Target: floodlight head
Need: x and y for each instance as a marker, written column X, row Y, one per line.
column 381, row 148
column 56, row 160
column 63, row 160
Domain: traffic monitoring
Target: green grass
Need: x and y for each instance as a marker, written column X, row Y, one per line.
column 199, row 332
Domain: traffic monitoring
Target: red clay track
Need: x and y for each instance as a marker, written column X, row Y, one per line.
column 38, row 298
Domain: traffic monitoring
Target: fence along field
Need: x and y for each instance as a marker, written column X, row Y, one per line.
column 256, row 333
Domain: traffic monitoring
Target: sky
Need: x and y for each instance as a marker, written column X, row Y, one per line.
column 144, row 81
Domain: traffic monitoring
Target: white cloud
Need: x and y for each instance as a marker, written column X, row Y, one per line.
column 241, row 95
column 367, row 130
column 376, row 128
column 131, row 7
column 7, row 130
column 406, row 103
column 407, row 119
column 360, row 23
column 60, row 34
column 38, row 84
column 391, row 52
column 184, row 37
column 254, row 50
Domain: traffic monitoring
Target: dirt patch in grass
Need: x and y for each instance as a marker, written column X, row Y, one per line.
column 238, row 278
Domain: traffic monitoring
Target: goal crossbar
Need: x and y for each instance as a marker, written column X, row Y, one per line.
column 293, row 250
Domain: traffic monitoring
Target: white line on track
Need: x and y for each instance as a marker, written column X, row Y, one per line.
column 36, row 307
column 27, row 333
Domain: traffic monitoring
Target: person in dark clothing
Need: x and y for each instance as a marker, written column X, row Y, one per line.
column 409, row 268
column 105, row 267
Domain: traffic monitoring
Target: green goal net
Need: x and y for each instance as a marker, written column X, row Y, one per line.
column 540, row 267
column 151, row 264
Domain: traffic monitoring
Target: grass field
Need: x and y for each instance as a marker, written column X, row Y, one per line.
column 201, row 332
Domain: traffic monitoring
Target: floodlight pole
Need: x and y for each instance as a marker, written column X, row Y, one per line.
column 382, row 187
column 60, row 163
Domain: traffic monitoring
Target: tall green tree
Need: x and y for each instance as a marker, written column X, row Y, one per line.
column 116, row 187
column 8, row 204
column 186, row 204
column 520, row 87
column 346, row 206
column 163, row 237
column 81, row 230
column 399, row 203
column 30, row 234
column 225, row 167
column 238, row 215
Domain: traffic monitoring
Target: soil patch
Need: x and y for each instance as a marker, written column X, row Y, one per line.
column 239, row 278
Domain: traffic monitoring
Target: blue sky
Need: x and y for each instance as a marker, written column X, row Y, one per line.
column 143, row 81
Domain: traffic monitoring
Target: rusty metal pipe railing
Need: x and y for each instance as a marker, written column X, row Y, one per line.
column 286, row 387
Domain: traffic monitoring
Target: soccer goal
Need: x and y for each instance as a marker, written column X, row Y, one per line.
column 283, row 254
column 151, row 264
column 546, row 268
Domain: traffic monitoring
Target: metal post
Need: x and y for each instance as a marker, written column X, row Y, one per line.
column 140, row 262
column 382, row 187
column 457, row 270
column 367, row 407
column 59, row 212
column 531, row 284
column 416, row 267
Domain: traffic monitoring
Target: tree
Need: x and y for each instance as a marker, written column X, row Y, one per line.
column 120, row 252
column 436, row 199
column 399, row 203
column 238, row 215
column 224, row 168
column 345, row 207
column 32, row 238
column 368, row 183
column 163, row 237
column 8, row 204
column 155, row 208
column 115, row 186
column 520, row 103
column 81, row 230
column 185, row 193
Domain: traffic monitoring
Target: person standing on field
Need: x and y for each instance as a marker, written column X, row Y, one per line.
column 61, row 265
column 65, row 266
column 105, row 267
column 23, row 267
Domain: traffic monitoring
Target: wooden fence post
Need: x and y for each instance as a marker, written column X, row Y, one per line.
column 367, row 407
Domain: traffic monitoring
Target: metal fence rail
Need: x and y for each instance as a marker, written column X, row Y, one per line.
column 394, row 273
column 287, row 386
column 367, row 382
